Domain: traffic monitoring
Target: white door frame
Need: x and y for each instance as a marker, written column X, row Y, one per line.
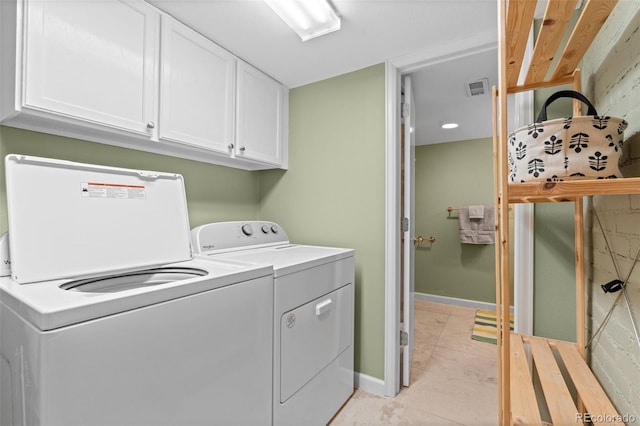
column 523, row 238
column 408, row 285
column 524, row 216
column 393, row 72
column 392, row 235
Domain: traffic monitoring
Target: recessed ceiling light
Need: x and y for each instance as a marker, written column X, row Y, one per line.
column 449, row 125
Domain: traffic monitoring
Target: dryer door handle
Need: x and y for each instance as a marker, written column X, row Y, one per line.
column 323, row 307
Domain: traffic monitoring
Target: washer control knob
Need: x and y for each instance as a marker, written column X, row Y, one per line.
column 274, row 229
column 247, row 230
column 265, row 229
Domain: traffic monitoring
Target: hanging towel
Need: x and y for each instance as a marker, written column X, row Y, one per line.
column 477, row 231
column 476, row 212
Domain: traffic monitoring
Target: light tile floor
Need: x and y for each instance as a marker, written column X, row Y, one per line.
column 453, row 378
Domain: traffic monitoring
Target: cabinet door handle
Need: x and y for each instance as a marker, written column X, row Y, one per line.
column 151, row 125
column 242, row 148
column 230, row 146
column 323, row 307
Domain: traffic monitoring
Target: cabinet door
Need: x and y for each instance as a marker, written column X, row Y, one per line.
column 260, row 121
column 197, row 92
column 93, row 60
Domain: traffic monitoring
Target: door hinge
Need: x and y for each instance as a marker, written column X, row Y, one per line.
column 405, row 109
column 405, row 224
column 404, row 338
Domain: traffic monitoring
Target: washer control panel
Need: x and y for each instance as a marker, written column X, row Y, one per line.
column 237, row 235
column 249, row 228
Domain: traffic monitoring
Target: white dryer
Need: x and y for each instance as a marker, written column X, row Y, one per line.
column 108, row 319
column 313, row 315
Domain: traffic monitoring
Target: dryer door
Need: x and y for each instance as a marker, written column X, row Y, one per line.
column 313, row 335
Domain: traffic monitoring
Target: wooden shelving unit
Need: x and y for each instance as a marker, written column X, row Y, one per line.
column 523, row 357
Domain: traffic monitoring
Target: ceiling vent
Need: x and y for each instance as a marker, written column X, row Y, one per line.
column 477, row 88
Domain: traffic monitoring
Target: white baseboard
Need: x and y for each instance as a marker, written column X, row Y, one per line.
column 455, row 301
column 369, row 384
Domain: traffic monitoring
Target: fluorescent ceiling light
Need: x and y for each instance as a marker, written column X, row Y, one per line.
column 308, row 18
column 449, row 125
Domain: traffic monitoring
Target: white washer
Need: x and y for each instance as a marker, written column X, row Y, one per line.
column 108, row 319
column 313, row 315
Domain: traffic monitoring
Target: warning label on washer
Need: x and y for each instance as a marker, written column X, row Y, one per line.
column 112, row 190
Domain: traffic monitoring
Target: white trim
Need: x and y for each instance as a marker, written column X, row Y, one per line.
column 456, row 301
column 435, row 54
column 523, row 249
column 524, row 237
column 369, row 384
column 392, row 236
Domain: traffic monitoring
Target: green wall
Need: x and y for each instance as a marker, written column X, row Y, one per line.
column 453, row 174
column 334, row 191
column 214, row 193
column 554, row 295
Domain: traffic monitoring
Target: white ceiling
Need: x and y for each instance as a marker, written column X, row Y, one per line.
column 441, row 97
column 372, row 32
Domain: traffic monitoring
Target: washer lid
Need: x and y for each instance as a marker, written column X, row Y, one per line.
column 69, row 220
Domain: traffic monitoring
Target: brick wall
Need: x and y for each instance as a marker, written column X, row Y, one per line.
column 611, row 79
column 615, row 353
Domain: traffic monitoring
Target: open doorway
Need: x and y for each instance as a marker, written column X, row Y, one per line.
column 396, row 262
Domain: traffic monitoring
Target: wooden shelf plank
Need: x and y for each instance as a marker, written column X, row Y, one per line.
column 524, row 406
column 518, row 26
column 554, row 27
column 596, row 402
column 559, row 401
column 529, row 192
column 594, row 14
column 519, row 19
column 539, row 85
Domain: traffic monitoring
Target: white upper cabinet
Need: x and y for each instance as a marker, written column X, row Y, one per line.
column 261, row 120
column 92, row 60
column 122, row 72
column 197, row 91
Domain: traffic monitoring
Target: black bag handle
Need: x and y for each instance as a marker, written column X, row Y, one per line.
column 565, row 94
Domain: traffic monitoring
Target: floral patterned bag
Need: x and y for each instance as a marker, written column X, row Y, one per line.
column 583, row 147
